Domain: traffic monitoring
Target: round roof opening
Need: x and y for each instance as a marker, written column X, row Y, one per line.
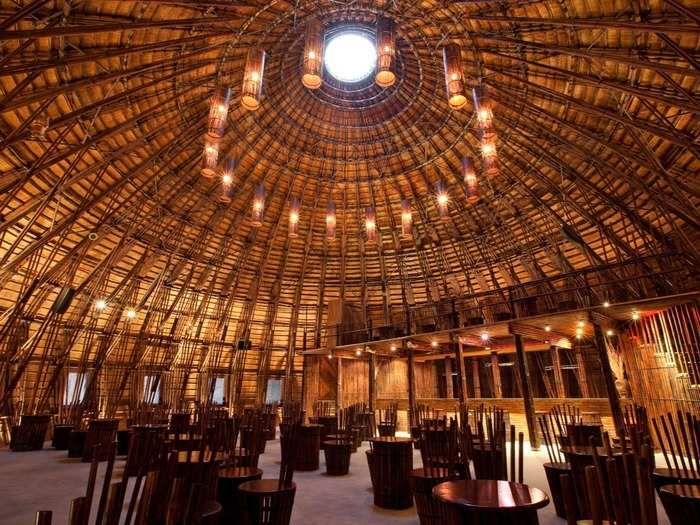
column 350, row 56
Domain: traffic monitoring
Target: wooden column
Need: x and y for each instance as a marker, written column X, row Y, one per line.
column 556, row 367
column 339, row 387
column 581, row 374
column 496, row 375
column 461, row 373
column 609, row 378
column 411, row 385
column 475, row 377
column 528, row 401
column 450, row 394
column 371, row 381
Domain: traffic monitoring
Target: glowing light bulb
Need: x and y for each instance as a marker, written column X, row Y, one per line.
column 547, row 328
column 433, row 344
column 609, row 333
column 226, row 178
column 254, row 76
column 606, row 304
column 442, row 199
column 580, row 324
column 635, row 316
column 100, row 304
column 484, row 336
column 131, row 313
column 393, row 348
column 358, row 352
column 312, row 55
column 294, row 216
column 488, row 149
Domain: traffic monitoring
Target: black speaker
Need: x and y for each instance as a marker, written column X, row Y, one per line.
column 243, row 344
column 63, row 300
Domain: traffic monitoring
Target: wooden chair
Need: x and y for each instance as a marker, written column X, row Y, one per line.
column 387, row 420
column 557, row 465
column 270, row 501
column 678, row 436
column 682, row 503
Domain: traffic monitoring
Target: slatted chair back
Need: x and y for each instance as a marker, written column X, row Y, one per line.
column 516, row 456
column 289, row 459
column 678, row 435
column 549, row 437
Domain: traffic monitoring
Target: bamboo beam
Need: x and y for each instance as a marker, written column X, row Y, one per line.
column 556, row 367
column 608, row 376
column 496, row 376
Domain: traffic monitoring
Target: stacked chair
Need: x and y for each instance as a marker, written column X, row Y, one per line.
column 557, row 465
column 678, row 484
column 618, row 488
column 387, row 420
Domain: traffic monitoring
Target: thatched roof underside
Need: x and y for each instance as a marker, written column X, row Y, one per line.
column 597, row 121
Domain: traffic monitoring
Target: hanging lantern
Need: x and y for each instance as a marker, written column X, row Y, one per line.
column 470, row 180
column 330, row 221
column 294, row 218
column 370, row 225
column 454, row 76
column 406, row 219
column 210, row 157
column 227, row 174
column 489, row 155
column 253, row 79
column 442, row 199
column 386, row 49
column 258, row 206
column 313, row 55
column 218, row 112
column 483, row 106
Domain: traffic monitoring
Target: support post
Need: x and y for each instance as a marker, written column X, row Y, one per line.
column 528, row 401
column 449, row 389
column 461, row 373
column 475, row 377
column 581, row 375
column 609, row 378
column 496, row 375
column 371, row 381
column 556, row 367
column 411, row 385
column 339, row 387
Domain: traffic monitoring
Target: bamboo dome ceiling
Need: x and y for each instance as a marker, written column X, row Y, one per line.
column 104, row 110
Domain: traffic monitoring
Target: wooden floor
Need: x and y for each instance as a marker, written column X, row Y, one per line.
column 48, row 480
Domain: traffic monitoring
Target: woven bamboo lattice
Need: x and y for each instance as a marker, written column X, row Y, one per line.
column 103, row 111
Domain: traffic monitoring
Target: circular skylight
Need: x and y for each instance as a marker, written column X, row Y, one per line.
column 350, row 56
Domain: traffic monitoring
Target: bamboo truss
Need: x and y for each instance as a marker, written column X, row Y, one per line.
column 103, row 110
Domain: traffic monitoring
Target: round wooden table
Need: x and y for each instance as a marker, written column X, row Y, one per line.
column 490, row 502
column 229, row 480
column 390, row 463
column 682, row 503
column 263, row 501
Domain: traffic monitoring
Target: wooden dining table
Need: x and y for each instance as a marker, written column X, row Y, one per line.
column 489, row 502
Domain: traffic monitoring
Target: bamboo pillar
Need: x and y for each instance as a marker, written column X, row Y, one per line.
column 371, row 381
column 556, row 367
column 475, row 376
column 448, row 378
column 496, row 375
column 581, row 374
column 528, row 401
column 461, row 373
column 411, row 385
column 606, row 370
column 339, row 386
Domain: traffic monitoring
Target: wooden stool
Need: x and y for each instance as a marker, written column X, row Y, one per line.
column 76, row 443
column 309, row 447
column 430, row 511
column 230, row 479
column 100, row 434
column 337, row 457
column 30, row 433
column 61, row 436
column 263, row 502
column 390, row 463
column 682, row 503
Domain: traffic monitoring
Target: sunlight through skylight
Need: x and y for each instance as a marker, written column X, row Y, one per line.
column 350, row 56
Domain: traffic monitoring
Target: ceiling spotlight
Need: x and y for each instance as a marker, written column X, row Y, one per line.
column 393, row 348
column 100, row 304
column 547, row 328
column 609, row 333
column 484, row 336
column 606, row 304
column 434, row 344
column 580, row 324
column 579, row 332
column 578, row 336
column 358, row 352
column 330, row 356
column 131, row 313
column 635, row 315
column 226, row 178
